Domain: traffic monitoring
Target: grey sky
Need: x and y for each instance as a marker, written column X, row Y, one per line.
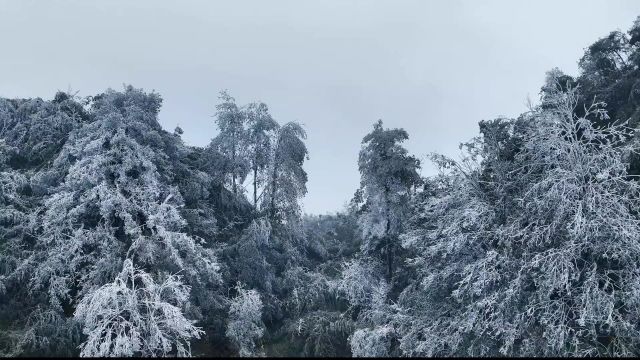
column 434, row 68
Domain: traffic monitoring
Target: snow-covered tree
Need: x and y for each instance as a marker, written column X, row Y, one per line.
column 245, row 327
column 557, row 275
column 371, row 342
column 261, row 129
column 135, row 316
column 232, row 139
column 13, row 215
column 250, row 262
column 367, row 292
column 31, row 132
column 287, row 178
column 113, row 201
column 361, row 284
column 388, row 177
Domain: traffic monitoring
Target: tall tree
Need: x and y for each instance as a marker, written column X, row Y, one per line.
column 388, row 177
column 232, row 139
column 261, row 133
column 288, row 179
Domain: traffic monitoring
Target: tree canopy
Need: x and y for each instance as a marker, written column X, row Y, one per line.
column 118, row 239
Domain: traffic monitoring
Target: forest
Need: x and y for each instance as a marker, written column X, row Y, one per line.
column 119, row 239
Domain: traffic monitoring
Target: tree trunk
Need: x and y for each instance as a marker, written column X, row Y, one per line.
column 274, row 178
column 389, row 256
column 235, row 190
column 255, row 187
column 388, row 238
column 233, row 169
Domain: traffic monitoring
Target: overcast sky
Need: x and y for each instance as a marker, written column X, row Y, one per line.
column 434, row 68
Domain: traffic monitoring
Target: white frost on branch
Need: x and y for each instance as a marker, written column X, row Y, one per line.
column 245, row 327
column 134, row 316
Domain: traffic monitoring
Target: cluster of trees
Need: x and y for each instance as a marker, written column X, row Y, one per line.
column 252, row 142
column 114, row 231
column 527, row 245
column 117, row 239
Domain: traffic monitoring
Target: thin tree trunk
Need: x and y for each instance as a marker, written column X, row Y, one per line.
column 389, row 256
column 388, row 238
column 235, row 190
column 233, row 169
column 255, row 187
column 274, row 178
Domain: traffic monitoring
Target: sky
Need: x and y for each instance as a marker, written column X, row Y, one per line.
column 434, row 68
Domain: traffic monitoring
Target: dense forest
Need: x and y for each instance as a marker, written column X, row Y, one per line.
column 118, row 239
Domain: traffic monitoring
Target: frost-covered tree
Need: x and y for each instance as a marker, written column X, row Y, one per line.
column 367, row 292
column 31, row 132
column 316, row 313
column 388, row 177
column 371, row 342
column 528, row 245
column 361, row 284
column 250, row 264
column 13, row 215
column 232, row 139
column 113, row 200
column 610, row 73
column 453, row 214
column 261, row 129
column 557, row 275
column 607, row 55
column 14, row 208
column 113, row 203
column 135, row 316
column 245, row 327
column 38, row 128
column 287, row 178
